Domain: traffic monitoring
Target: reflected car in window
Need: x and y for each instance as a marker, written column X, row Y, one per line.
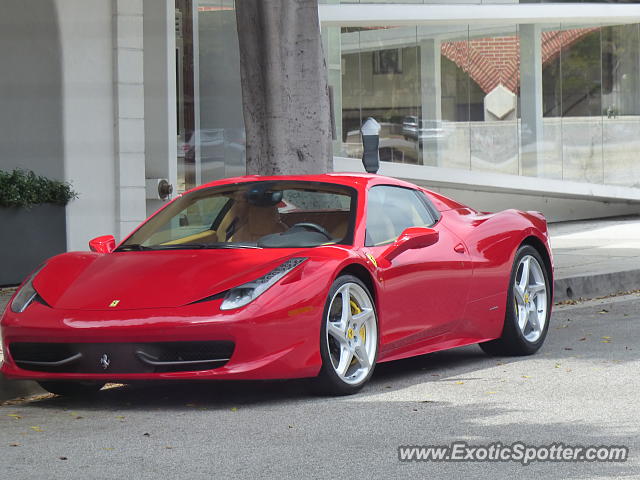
column 423, row 130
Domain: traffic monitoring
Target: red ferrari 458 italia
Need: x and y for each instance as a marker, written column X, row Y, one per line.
column 283, row 277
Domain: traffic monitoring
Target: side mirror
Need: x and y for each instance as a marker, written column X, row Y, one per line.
column 104, row 244
column 411, row 238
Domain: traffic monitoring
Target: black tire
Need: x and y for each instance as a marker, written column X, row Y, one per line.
column 328, row 381
column 512, row 342
column 72, row 389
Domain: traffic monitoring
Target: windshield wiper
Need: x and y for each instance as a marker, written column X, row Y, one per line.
column 181, row 246
column 131, row 247
column 187, row 246
column 231, row 245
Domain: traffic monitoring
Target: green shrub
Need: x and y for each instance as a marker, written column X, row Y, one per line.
column 22, row 188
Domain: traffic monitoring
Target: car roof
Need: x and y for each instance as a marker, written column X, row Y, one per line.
column 353, row 179
column 359, row 181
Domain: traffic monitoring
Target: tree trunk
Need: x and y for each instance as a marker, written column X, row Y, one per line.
column 285, row 92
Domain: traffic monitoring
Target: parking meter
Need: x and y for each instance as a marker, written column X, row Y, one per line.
column 370, row 141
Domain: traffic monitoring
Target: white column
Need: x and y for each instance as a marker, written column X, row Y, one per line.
column 196, row 91
column 160, row 94
column 431, row 96
column 128, row 84
column 531, row 133
column 86, row 43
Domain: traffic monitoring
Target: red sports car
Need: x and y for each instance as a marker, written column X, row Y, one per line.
column 284, row 277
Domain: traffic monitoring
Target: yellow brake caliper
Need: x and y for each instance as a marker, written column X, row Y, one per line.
column 355, row 310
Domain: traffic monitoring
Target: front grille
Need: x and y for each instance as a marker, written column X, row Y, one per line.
column 156, row 357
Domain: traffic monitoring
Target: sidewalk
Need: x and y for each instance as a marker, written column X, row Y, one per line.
column 596, row 258
column 592, row 258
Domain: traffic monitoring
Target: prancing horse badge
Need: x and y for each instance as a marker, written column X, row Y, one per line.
column 104, row 361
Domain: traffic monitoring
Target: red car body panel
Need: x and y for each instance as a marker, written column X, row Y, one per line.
column 449, row 294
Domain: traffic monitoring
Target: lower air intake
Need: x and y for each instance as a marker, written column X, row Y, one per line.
column 121, row 357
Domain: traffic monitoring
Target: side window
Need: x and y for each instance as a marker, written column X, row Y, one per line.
column 390, row 210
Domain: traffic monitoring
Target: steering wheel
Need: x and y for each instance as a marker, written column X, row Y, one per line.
column 314, row 226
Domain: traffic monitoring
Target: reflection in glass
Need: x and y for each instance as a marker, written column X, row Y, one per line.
column 581, row 70
column 211, row 139
column 494, row 63
column 553, row 101
column 621, row 104
column 380, row 75
column 550, row 149
column 458, row 108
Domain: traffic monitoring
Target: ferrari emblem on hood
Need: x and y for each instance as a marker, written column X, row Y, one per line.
column 114, row 303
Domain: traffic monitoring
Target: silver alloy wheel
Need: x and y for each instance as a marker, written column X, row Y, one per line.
column 352, row 333
column 530, row 290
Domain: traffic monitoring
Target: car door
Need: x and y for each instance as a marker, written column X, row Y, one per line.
column 424, row 291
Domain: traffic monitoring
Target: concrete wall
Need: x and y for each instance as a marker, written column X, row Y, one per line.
column 56, row 91
column 88, row 119
column 555, row 208
column 31, row 88
column 71, row 90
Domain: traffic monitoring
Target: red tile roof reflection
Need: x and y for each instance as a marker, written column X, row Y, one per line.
column 496, row 60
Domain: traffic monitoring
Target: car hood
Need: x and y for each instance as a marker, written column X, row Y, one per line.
column 150, row 279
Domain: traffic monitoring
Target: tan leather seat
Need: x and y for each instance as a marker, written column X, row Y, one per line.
column 248, row 223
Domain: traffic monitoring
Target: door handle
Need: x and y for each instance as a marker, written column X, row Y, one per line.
column 459, row 248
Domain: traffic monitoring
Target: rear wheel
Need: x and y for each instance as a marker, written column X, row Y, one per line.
column 348, row 338
column 528, row 307
column 72, row 389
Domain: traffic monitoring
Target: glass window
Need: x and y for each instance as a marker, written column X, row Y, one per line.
column 581, row 87
column 391, row 210
column 380, row 78
column 211, row 136
column 494, row 60
column 251, row 215
column 621, row 104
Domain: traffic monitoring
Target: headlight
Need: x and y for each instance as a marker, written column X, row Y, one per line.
column 25, row 295
column 240, row 296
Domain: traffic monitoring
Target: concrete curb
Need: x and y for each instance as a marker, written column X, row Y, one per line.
column 10, row 389
column 593, row 286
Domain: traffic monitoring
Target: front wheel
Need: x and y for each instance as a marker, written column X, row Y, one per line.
column 72, row 389
column 528, row 307
column 348, row 338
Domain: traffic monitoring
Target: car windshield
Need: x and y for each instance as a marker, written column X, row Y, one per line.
column 264, row 214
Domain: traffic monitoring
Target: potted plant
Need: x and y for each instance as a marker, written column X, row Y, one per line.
column 33, row 223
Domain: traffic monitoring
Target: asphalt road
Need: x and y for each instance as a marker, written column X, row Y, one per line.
column 582, row 388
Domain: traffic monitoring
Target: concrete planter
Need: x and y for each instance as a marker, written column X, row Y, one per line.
column 28, row 237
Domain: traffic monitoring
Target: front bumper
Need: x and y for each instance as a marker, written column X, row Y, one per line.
column 270, row 342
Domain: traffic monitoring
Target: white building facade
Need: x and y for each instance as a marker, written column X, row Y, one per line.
column 500, row 104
